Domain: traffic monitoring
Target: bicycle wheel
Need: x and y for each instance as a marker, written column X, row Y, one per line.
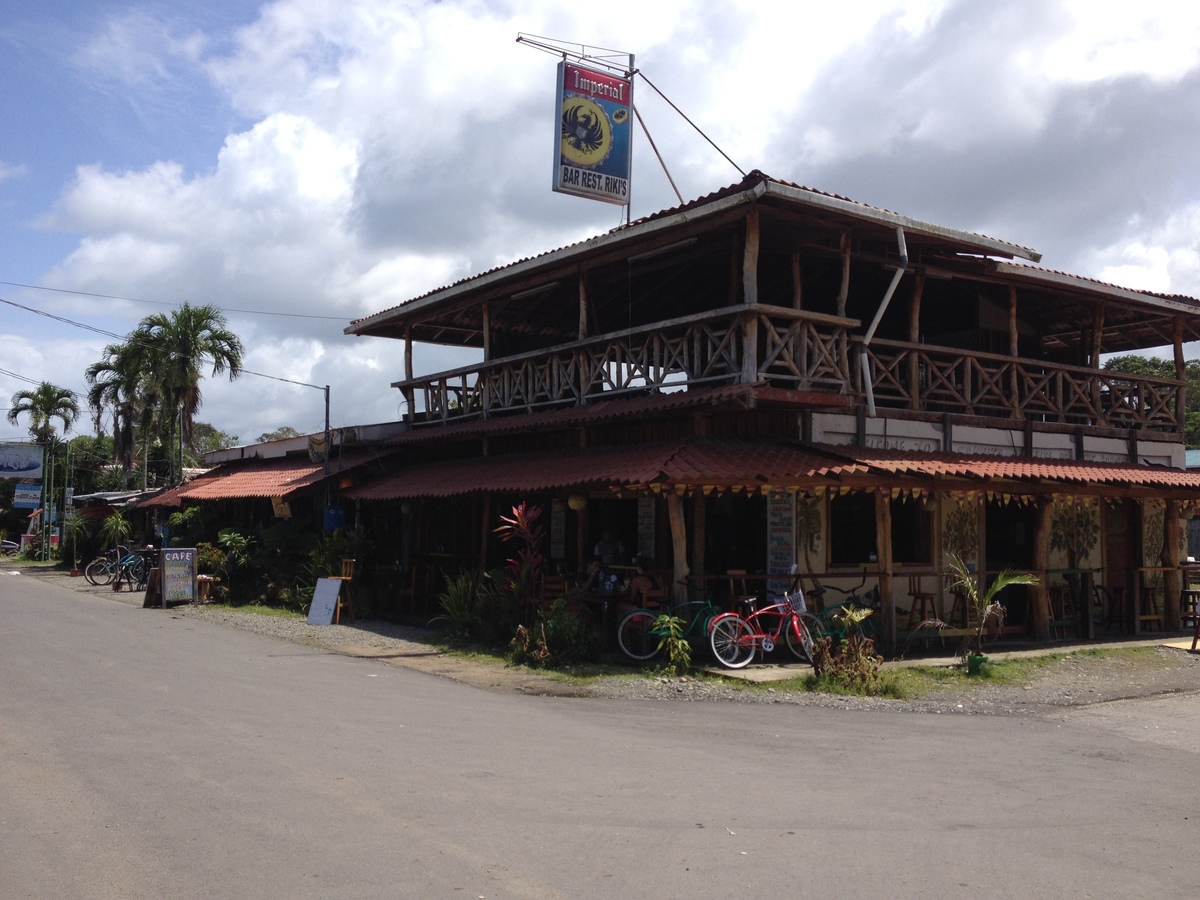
column 732, row 641
column 800, row 644
column 636, row 637
column 98, row 572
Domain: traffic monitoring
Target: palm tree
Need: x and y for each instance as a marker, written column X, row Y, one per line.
column 123, row 382
column 177, row 346
column 43, row 404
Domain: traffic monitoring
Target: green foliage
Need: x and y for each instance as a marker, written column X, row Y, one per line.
column 678, row 650
column 43, row 404
column 210, row 560
column 237, row 547
column 75, row 529
column 852, row 666
column 287, row 431
column 498, row 607
column 325, row 559
column 459, row 603
column 558, row 637
column 987, row 610
column 961, row 535
column 114, row 530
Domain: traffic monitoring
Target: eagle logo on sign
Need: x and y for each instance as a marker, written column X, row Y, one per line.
column 586, row 132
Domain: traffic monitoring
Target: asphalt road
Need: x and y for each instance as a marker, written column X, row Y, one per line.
column 144, row 755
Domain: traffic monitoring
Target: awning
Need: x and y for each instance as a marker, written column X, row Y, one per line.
column 693, row 462
column 258, row 478
column 706, row 463
column 1019, row 468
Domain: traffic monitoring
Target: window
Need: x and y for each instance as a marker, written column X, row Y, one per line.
column 912, row 532
column 852, row 529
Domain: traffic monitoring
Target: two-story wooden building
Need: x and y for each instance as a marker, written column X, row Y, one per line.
column 774, row 379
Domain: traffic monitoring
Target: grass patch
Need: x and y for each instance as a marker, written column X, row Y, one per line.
column 260, row 610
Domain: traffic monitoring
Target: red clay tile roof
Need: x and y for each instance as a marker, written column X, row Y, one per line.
column 690, row 461
column 258, row 478
column 1018, row 468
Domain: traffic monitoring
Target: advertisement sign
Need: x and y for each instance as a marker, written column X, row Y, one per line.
column 781, row 542
column 20, row 460
column 178, row 574
column 594, row 152
column 27, row 496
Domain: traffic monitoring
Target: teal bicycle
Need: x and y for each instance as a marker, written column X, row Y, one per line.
column 642, row 638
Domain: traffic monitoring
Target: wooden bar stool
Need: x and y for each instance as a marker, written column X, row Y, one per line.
column 344, row 600
column 924, row 603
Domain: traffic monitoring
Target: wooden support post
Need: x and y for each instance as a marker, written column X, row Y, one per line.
column 1181, row 375
column 842, row 299
column 914, row 337
column 409, row 396
column 1094, row 362
column 1039, row 611
column 680, row 569
column 1172, row 582
column 1014, row 348
column 883, row 552
column 750, row 259
column 486, row 327
column 797, row 280
column 699, row 534
column 583, row 306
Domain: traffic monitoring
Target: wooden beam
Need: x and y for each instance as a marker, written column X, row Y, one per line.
column 1172, row 582
column 915, row 400
column 844, row 289
column 797, row 280
column 486, row 328
column 680, row 569
column 750, row 258
column 699, row 530
column 1014, row 352
column 583, row 306
column 1040, row 606
column 1181, row 375
column 883, row 552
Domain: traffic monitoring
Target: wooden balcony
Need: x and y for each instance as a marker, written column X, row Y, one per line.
column 941, row 379
column 799, row 350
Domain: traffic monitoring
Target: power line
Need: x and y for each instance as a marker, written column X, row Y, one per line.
column 127, row 339
column 249, row 312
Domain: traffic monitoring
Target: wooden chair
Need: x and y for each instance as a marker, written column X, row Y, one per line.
column 924, row 603
column 344, row 601
column 1151, row 611
column 416, row 590
column 553, row 587
column 1061, row 609
column 739, row 595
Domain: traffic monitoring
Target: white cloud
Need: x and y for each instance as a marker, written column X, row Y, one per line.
column 392, row 148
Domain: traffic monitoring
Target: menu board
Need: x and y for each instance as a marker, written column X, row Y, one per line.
column 781, row 542
column 645, row 513
column 178, row 571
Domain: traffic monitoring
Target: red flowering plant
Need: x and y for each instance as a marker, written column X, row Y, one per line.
column 523, row 570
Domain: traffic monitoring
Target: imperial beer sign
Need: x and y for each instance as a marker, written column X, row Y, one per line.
column 594, row 149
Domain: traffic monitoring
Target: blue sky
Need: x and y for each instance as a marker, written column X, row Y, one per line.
column 305, row 162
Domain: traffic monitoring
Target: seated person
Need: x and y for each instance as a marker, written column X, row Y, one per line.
column 591, row 578
column 610, row 551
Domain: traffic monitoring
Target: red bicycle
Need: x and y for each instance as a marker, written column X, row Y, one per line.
column 735, row 639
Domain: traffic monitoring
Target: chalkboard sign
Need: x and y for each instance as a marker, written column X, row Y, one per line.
column 324, row 601
column 178, row 571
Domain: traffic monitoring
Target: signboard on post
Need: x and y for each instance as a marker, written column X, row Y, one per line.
column 177, row 568
column 27, row 496
column 594, row 152
column 20, row 460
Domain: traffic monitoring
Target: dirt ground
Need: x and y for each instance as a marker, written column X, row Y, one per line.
column 1074, row 680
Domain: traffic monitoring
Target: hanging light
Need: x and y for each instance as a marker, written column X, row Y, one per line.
column 577, row 502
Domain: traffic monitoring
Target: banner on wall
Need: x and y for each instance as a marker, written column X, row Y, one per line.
column 781, row 542
column 593, row 156
column 20, row 460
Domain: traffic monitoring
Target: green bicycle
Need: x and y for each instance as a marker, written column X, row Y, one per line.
column 641, row 639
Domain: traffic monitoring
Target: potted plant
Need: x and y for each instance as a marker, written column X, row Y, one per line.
column 987, row 609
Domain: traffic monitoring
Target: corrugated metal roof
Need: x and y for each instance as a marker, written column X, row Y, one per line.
column 753, row 186
column 690, row 461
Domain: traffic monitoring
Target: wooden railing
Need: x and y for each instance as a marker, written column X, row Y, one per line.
column 799, row 350
column 940, row 379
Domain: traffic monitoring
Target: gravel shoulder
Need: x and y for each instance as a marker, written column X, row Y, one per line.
column 1071, row 681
